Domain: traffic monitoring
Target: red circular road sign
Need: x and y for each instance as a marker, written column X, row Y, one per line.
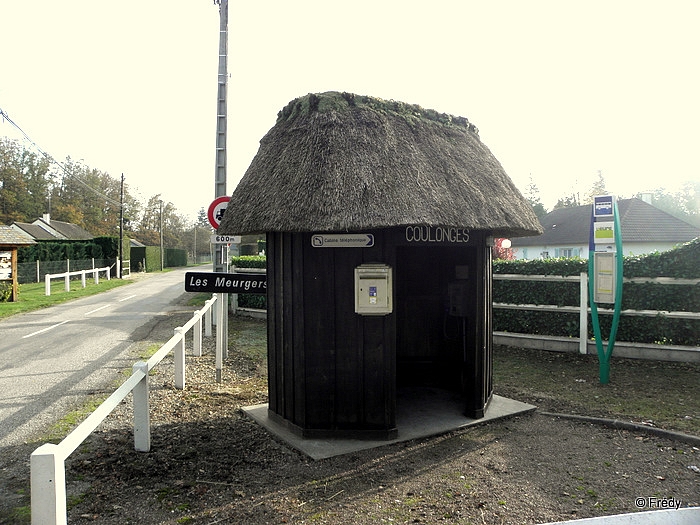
column 216, row 211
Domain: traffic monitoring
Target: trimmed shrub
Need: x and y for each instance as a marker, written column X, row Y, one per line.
column 249, row 300
column 682, row 262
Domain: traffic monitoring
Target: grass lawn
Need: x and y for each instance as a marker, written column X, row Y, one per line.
column 33, row 296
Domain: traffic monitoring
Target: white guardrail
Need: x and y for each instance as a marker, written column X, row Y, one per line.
column 47, row 463
column 583, row 308
column 67, row 275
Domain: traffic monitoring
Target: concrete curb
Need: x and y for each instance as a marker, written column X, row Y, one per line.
column 628, row 425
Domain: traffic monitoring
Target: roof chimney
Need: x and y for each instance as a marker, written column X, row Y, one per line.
column 47, row 218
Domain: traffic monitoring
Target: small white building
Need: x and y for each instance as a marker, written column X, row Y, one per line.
column 645, row 229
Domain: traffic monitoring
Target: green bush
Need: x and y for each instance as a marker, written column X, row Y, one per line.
column 98, row 248
column 5, row 291
column 175, row 257
column 250, row 300
column 249, row 261
column 152, row 256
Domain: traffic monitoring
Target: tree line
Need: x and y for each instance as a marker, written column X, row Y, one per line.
column 683, row 204
column 31, row 186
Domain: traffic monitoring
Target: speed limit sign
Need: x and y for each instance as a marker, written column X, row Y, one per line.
column 216, row 211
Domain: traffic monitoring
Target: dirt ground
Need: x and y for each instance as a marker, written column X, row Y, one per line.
column 211, row 464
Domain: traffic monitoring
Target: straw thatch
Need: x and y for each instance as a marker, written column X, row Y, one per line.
column 342, row 162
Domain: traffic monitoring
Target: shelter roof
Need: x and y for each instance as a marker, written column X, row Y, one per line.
column 343, row 162
column 13, row 237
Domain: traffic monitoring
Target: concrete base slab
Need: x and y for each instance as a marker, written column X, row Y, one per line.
column 421, row 412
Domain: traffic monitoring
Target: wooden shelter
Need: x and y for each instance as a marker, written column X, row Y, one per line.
column 427, row 197
column 10, row 240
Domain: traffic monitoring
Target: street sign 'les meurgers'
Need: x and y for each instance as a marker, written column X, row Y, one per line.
column 225, row 282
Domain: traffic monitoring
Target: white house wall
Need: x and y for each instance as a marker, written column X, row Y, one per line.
column 632, row 248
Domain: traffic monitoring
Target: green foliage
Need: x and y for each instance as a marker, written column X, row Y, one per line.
column 175, row 257
column 109, row 247
column 60, row 251
column 172, row 257
column 25, row 183
column 152, row 256
column 564, row 266
column 5, row 291
column 33, row 296
column 249, row 300
column 682, row 262
column 249, row 261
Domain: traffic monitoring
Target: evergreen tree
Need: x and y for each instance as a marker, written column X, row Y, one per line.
column 570, row 201
column 598, row 188
column 532, row 194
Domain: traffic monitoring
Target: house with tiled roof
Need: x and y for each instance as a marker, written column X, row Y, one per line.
column 48, row 229
column 644, row 227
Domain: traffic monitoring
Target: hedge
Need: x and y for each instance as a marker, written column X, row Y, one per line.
column 60, row 251
column 682, row 262
column 250, row 300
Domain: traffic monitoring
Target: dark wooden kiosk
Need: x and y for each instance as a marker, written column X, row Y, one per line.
column 379, row 219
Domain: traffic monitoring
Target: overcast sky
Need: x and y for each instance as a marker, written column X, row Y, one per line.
column 558, row 89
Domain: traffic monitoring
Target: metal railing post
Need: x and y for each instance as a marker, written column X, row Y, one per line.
column 179, row 351
column 82, row 278
column 48, row 486
column 66, row 285
column 47, row 284
column 142, row 416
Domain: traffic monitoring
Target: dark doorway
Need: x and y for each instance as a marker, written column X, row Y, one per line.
column 436, row 310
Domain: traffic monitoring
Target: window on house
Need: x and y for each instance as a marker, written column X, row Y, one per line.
column 566, row 252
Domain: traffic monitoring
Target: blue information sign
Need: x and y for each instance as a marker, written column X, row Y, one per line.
column 603, row 206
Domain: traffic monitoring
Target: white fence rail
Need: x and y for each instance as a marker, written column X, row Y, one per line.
column 47, row 463
column 583, row 308
column 67, row 275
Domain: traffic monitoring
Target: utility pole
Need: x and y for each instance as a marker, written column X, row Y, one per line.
column 162, row 254
column 221, row 250
column 121, row 229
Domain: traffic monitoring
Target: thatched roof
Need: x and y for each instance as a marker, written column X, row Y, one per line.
column 342, row 162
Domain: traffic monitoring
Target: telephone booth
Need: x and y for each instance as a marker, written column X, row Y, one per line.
column 379, row 219
column 350, row 327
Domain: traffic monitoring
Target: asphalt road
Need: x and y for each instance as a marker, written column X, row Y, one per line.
column 51, row 359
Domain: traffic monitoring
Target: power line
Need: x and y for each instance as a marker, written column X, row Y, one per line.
column 5, row 116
